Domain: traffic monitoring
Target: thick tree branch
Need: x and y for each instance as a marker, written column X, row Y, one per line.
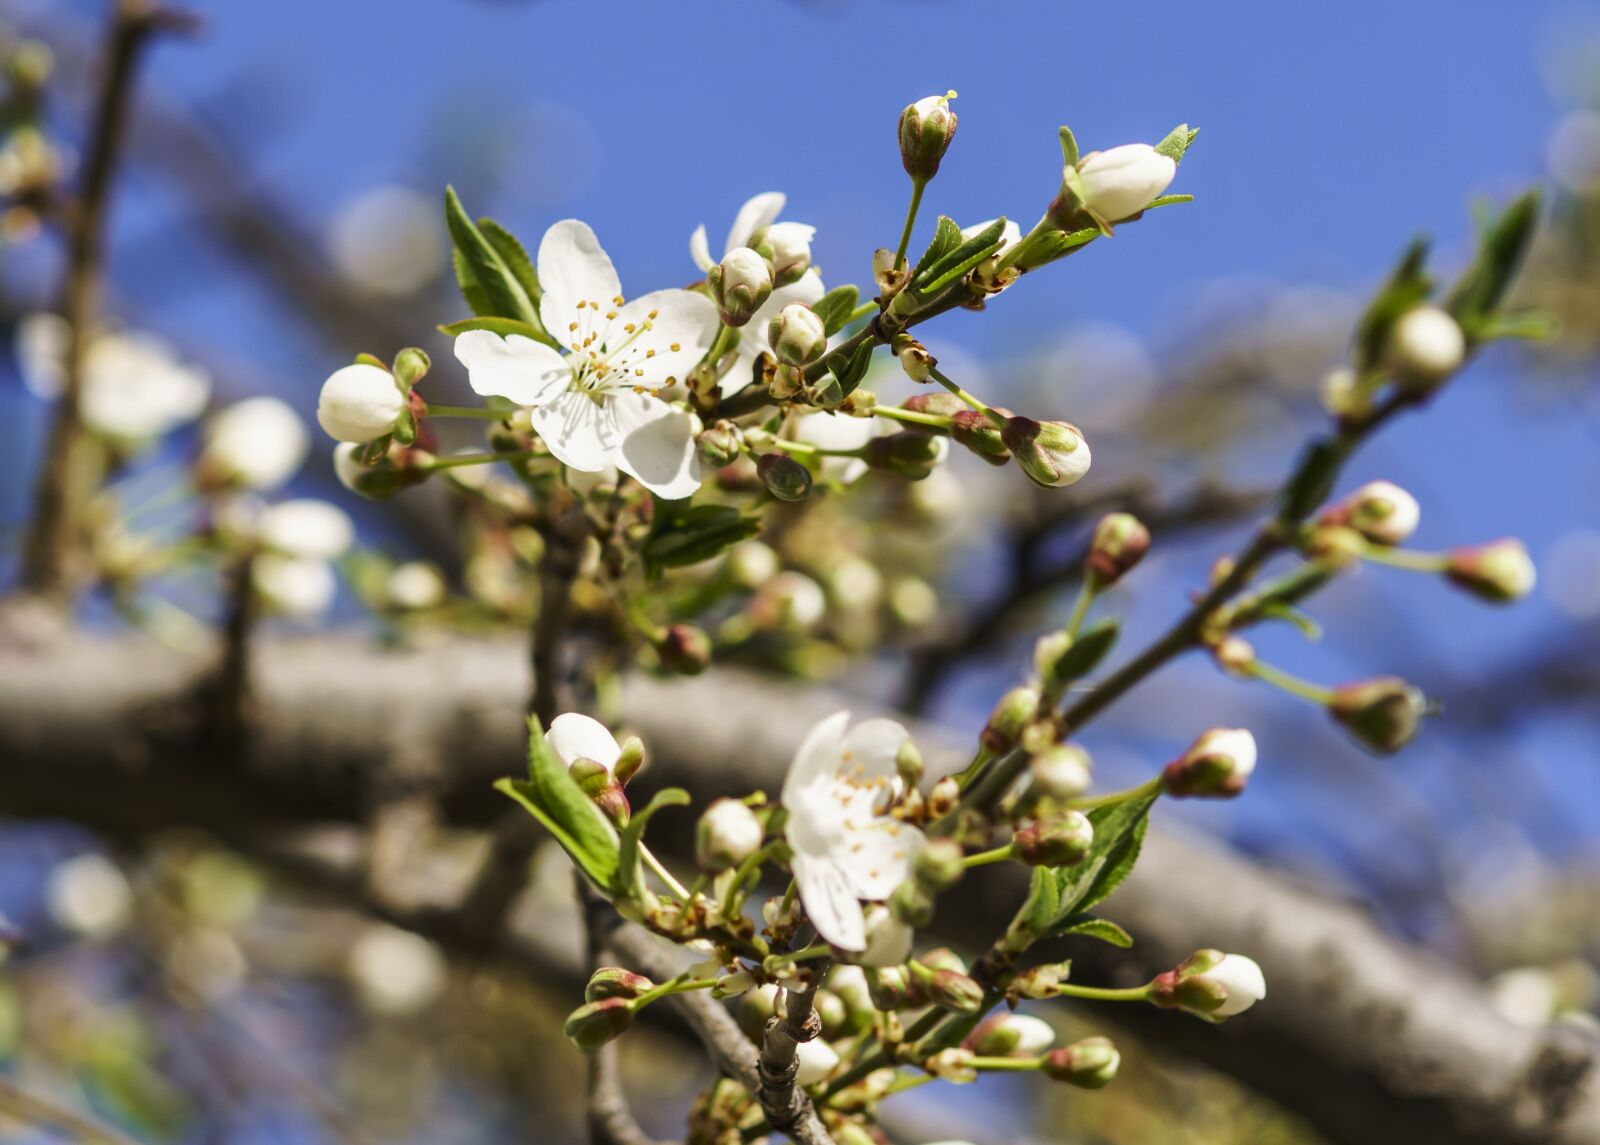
column 1373, row 1042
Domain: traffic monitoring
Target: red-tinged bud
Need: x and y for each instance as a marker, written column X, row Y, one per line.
column 1051, row 453
column 1060, row 841
column 615, row 982
column 1499, row 572
column 1089, row 1064
column 1011, row 1035
column 939, row 402
column 981, row 435
column 598, row 782
column 1120, row 542
column 1380, row 511
column 1217, row 765
column 1015, row 711
column 593, row 1025
column 685, row 649
column 1211, row 985
column 1382, row 714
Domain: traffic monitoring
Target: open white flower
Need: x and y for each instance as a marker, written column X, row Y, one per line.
column 846, row 850
column 594, row 406
column 134, row 386
column 761, row 211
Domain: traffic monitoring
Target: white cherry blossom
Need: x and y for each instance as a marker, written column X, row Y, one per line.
column 760, row 211
column 575, row 736
column 846, row 850
column 594, row 406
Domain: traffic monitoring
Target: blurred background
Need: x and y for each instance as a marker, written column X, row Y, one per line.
column 280, row 212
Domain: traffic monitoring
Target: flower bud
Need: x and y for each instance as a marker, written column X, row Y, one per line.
column 1042, row 981
column 890, row 988
column 941, row 403
column 1382, row 713
column 816, row 1059
column 1060, row 841
column 1088, row 1064
column 888, row 939
column 615, row 982
column 953, row 1065
column 943, row 798
column 629, row 760
column 593, row 1025
column 1425, row 346
column 1011, row 1035
column 755, row 1009
column 1061, row 771
column 1342, row 394
column 1380, row 511
column 411, row 365
column 726, row 835
column 785, row 478
column 797, row 335
column 360, row 403
column 1115, row 184
column 602, row 787
column 752, row 564
column 910, row 454
column 1217, row 765
column 1120, row 542
column 912, row 903
column 915, row 359
column 979, row 434
column 1015, row 711
column 948, row 989
column 1051, row 453
column 1499, row 572
column 1211, row 985
column 789, row 600
column 733, row 985
column 739, row 284
column 939, row 865
column 719, row 444
column 685, row 649
column 926, row 128
column 787, row 249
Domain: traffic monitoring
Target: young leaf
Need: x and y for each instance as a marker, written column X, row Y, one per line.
column 1069, row 147
column 630, row 878
column 497, row 287
column 1505, row 241
column 1178, row 142
column 951, row 266
column 514, row 255
column 554, row 798
column 501, row 326
column 1118, row 833
column 1102, row 928
column 946, row 238
column 472, row 292
column 685, row 534
column 850, row 368
column 1091, row 647
column 835, row 308
column 1407, row 287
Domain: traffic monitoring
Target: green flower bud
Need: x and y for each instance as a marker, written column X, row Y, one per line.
column 1015, row 711
column 1499, row 572
column 910, row 454
column 630, row 761
column 939, row 867
column 890, row 988
column 1061, row 771
column 726, row 835
column 719, row 444
column 1056, row 842
column 912, row 904
column 797, row 335
column 1051, row 453
column 1011, row 1035
column 615, row 982
column 685, row 649
column 1120, row 542
column 926, row 128
column 739, row 285
column 1382, row 714
column 1089, row 1064
column 979, row 433
column 593, row 1025
column 785, row 478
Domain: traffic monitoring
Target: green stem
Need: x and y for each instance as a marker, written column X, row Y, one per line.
column 917, row 187
column 1006, row 1065
column 1405, row 559
column 468, row 411
column 1080, row 607
column 731, row 903
column 913, row 417
column 971, row 399
column 1286, row 682
column 460, row 460
column 1148, row 787
column 983, row 858
column 808, row 954
column 662, row 873
column 1104, row 994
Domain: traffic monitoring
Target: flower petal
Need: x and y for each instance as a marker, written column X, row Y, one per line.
column 657, row 445
column 575, row 736
column 817, row 757
column 515, row 367
column 700, row 248
column 870, row 749
column 880, row 856
column 830, row 904
column 574, row 268
column 579, row 431
column 673, row 329
column 755, row 214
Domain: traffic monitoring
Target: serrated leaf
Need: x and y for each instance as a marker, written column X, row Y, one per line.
column 836, row 307
column 1119, row 834
column 850, row 368
column 630, row 876
column 497, row 287
column 682, row 533
column 472, row 293
column 1102, row 928
column 951, row 266
column 514, row 255
column 946, row 238
column 1506, row 238
column 554, row 798
column 1039, row 913
column 1178, row 142
column 1168, row 201
column 501, row 326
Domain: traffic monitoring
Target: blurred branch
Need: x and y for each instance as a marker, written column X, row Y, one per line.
column 22, row 1106
column 1360, row 1031
column 1030, row 581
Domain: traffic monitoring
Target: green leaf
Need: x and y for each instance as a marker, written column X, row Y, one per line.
column 1407, row 287
column 1102, row 928
column 1039, row 913
column 472, row 292
column 946, row 238
column 501, row 326
column 1178, row 142
column 514, row 255
column 630, row 877
column 850, row 368
column 835, row 308
column 1168, row 201
column 554, row 798
column 1119, row 833
column 1506, row 238
column 1088, row 650
column 1069, row 146
column 1059, row 244
column 1299, row 617
column 951, row 266
column 499, row 290
column 1312, row 480
column 682, row 533
column 1532, row 326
